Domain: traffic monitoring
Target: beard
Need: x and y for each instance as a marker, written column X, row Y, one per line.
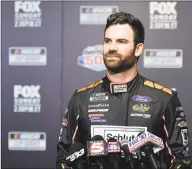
column 119, row 63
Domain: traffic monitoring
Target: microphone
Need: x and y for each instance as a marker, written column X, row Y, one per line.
column 96, row 149
column 139, row 156
column 149, row 144
column 114, row 150
column 148, row 150
column 77, row 156
column 127, row 154
column 146, row 138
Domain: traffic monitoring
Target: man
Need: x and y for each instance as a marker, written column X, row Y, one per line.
column 125, row 98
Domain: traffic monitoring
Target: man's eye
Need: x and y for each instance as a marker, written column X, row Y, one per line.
column 121, row 41
column 107, row 41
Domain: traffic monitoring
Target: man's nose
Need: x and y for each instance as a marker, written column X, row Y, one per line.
column 113, row 47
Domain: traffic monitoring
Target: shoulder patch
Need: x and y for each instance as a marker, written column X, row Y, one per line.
column 158, row 86
column 90, row 85
column 167, row 90
column 149, row 83
column 81, row 89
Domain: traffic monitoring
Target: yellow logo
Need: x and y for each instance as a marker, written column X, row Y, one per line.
column 141, row 108
column 187, row 162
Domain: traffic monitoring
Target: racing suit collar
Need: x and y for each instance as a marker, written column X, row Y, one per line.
column 115, row 88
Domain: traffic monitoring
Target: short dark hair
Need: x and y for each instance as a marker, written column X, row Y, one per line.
column 127, row 18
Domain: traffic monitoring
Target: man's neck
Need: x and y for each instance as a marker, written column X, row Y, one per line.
column 122, row 77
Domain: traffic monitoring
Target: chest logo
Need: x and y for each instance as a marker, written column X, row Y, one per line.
column 141, row 108
column 139, row 98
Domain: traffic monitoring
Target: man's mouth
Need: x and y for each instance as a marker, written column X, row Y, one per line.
column 112, row 57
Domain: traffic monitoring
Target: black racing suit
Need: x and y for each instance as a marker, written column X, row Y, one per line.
column 140, row 103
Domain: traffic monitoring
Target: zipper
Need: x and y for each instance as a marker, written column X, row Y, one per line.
column 125, row 107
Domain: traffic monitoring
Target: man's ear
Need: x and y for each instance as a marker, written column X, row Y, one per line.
column 139, row 49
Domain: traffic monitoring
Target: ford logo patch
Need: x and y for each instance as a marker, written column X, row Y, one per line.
column 141, row 98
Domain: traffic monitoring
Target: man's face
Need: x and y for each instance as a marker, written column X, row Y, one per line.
column 119, row 48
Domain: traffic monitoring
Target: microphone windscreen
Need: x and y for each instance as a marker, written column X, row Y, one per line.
column 97, row 138
column 112, row 139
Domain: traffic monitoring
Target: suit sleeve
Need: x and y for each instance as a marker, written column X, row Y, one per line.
column 68, row 132
column 177, row 135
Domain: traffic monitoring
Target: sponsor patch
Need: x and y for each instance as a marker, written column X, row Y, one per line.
column 184, row 134
column 118, row 88
column 97, row 118
column 179, row 118
column 96, row 115
column 64, row 122
column 142, row 99
column 98, row 105
column 97, row 97
column 186, row 162
column 145, row 116
column 182, row 124
column 141, row 108
column 98, row 110
column 179, row 108
column 186, row 152
column 182, row 114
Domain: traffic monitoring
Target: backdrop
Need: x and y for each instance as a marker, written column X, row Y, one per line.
column 49, row 49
